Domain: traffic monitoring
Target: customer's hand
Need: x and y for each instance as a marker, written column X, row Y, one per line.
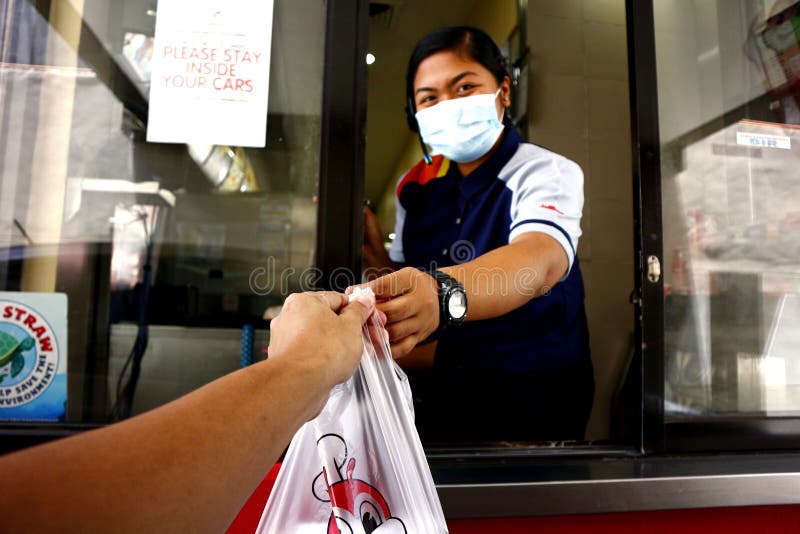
column 323, row 331
column 410, row 300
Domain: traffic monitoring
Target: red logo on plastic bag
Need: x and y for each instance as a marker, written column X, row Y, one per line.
column 357, row 507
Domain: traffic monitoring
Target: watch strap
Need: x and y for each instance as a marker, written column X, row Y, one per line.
column 443, row 279
column 444, row 283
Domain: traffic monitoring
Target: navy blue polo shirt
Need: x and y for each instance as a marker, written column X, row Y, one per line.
column 444, row 218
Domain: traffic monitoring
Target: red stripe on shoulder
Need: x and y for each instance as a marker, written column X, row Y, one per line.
column 422, row 173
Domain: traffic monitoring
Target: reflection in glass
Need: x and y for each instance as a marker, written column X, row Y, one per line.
column 227, row 168
column 83, row 198
column 728, row 94
column 138, row 50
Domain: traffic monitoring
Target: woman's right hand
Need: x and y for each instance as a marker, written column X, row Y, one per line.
column 410, row 300
column 376, row 260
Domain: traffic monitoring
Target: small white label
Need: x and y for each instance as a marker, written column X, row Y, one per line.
column 763, row 140
column 210, row 72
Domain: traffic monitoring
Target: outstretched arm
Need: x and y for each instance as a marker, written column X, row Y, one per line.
column 190, row 465
column 496, row 283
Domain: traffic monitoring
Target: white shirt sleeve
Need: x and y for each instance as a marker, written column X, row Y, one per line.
column 547, row 197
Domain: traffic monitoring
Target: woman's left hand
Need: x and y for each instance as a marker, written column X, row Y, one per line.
column 376, row 259
column 410, row 300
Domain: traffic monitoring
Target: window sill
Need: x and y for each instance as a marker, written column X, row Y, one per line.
column 513, row 488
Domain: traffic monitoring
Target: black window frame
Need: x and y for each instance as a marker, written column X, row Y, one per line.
column 340, row 231
column 648, row 296
column 475, row 483
column 704, row 434
column 340, row 223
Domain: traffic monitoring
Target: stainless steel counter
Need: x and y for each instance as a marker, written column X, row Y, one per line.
column 601, row 485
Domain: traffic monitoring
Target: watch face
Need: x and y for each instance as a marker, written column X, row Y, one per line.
column 457, row 304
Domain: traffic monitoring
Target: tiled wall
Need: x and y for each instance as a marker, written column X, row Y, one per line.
column 580, row 108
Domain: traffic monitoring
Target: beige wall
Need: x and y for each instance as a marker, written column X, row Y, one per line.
column 498, row 18
column 579, row 108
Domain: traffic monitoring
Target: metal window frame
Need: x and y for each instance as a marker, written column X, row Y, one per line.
column 648, row 239
column 342, row 145
column 661, row 434
column 569, row 480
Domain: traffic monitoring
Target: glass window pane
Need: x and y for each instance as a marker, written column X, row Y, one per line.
column 728, row 81
column 217, row 234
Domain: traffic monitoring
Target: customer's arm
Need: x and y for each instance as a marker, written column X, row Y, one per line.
column 188, row 466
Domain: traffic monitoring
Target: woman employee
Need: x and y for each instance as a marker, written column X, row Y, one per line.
column 486, row 234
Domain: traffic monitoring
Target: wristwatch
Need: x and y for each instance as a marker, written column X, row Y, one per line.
column 452, row 300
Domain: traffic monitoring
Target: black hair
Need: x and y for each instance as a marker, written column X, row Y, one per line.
column 467, row 40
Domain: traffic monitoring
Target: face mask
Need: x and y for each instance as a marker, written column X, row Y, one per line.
column 462, row 129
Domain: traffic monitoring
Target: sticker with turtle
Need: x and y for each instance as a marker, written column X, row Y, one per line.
column 12, row 360
column 33, row 363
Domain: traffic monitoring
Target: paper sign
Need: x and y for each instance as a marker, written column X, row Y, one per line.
column 210, row 72
column 33, row 356
column 763, row 140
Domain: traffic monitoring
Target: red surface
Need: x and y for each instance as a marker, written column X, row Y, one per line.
column 749, row 519
column 250, row 514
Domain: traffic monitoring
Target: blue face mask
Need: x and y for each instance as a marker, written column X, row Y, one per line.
column 461, row 129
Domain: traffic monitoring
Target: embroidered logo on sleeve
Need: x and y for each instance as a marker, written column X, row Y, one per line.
column 553, row 208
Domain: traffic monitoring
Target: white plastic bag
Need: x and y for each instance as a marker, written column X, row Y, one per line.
column 359, row 467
